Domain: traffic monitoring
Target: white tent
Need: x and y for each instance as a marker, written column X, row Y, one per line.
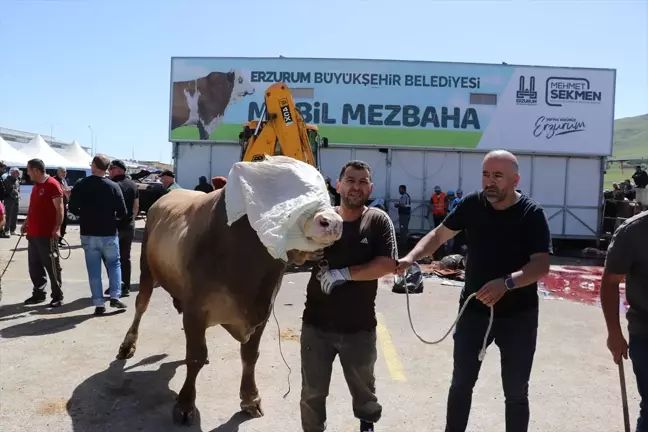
column 10, row 156
column 75, row 153
column 38, row 148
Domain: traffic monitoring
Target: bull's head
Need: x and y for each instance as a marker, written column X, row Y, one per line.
column 325, row 227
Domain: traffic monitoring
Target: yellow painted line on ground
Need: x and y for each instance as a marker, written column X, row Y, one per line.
column 394, row 364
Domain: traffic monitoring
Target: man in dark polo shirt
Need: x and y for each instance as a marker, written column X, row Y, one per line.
column 509, row 245
column 339, row 318
column 627, row 257
column 125, row 226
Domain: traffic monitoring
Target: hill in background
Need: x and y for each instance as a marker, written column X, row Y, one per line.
column 631, row 137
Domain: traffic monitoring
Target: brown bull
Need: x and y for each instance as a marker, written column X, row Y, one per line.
column 216, row 274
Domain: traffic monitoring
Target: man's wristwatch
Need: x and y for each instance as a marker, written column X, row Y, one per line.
column 508, row 281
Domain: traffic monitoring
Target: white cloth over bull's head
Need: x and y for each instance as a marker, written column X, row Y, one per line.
column 286, row 202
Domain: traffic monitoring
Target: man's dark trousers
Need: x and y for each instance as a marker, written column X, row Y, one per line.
column 516, row 338
column 11, row 210
column 43, row 260
column 358, row 355
column 125, row 242
column 638, row 353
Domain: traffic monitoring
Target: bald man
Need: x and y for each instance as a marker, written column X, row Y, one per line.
column 509, row 244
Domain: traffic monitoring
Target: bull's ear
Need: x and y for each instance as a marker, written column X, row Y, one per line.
column 230, row 77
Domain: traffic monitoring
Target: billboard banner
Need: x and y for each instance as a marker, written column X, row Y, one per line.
column 402, row 103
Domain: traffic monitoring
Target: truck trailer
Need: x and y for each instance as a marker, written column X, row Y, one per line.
column 416, row 123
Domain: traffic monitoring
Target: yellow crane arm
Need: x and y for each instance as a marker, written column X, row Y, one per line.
column 283, row 127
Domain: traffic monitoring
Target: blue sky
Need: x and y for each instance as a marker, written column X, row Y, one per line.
column 69, row 64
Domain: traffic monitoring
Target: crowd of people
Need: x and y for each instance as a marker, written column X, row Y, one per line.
column 508, row 238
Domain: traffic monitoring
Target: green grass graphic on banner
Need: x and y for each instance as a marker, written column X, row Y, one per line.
column 356, row 135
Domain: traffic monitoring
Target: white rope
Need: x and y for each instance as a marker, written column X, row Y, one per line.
column 482, row 352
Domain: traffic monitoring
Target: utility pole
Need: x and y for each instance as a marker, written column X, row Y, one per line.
column 92, row 149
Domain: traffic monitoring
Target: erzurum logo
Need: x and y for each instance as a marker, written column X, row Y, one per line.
column 550, row 127
column 526, row 95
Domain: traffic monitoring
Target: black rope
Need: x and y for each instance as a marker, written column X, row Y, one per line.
column 11, row 257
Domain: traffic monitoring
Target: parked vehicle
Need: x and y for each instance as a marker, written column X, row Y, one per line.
column 26, row 186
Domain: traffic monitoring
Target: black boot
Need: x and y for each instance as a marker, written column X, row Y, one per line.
column 366, row 426
column 37, row 297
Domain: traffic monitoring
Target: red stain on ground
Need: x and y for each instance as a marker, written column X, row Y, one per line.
column 576, row 283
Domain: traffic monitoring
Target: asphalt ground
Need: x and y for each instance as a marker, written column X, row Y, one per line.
column 58, row 370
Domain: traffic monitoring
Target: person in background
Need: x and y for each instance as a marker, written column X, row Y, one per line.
column 627, row 258
column 618, row 194
column 3, row 189
column 11, row 202
column 455, row 200
column 126, row 225
column 459, row 240
column 203, row 186
column 61, row 172
column 218, row 182
column 450, row 197
column 339, row 317
column 404, row 207
column 3, row 220
column 509, row 245
column 640, row 178
column 43, row 229
column 335, row 196
column 437, row 206
column 99, row 202
column 167, row 178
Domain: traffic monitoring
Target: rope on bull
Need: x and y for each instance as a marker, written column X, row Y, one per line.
column 280, row 350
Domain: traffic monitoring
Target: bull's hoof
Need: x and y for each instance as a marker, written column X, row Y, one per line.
column 183, row 415
column 253, row 407
column 126, row 351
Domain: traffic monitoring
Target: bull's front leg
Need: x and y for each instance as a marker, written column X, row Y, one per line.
column 195, row 326
column 249, row 393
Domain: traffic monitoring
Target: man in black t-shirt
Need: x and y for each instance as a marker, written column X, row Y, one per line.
column 509, row 244
column 339, row 317
column 99, row 203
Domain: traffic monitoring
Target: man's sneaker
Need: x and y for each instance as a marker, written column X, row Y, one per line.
column 114, row 303
column 99, row 310
column 125, row 292
column 56, row 303
column 36, row 298
column 366, row 426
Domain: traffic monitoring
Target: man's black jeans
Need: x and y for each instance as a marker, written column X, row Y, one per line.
column 638, row 353
column 516, row 338
column 125, row 243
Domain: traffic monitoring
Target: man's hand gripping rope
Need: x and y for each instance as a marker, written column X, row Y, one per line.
column 402, row 268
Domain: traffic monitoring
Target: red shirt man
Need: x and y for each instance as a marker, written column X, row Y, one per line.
column 42, row 212
column 43, row 228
